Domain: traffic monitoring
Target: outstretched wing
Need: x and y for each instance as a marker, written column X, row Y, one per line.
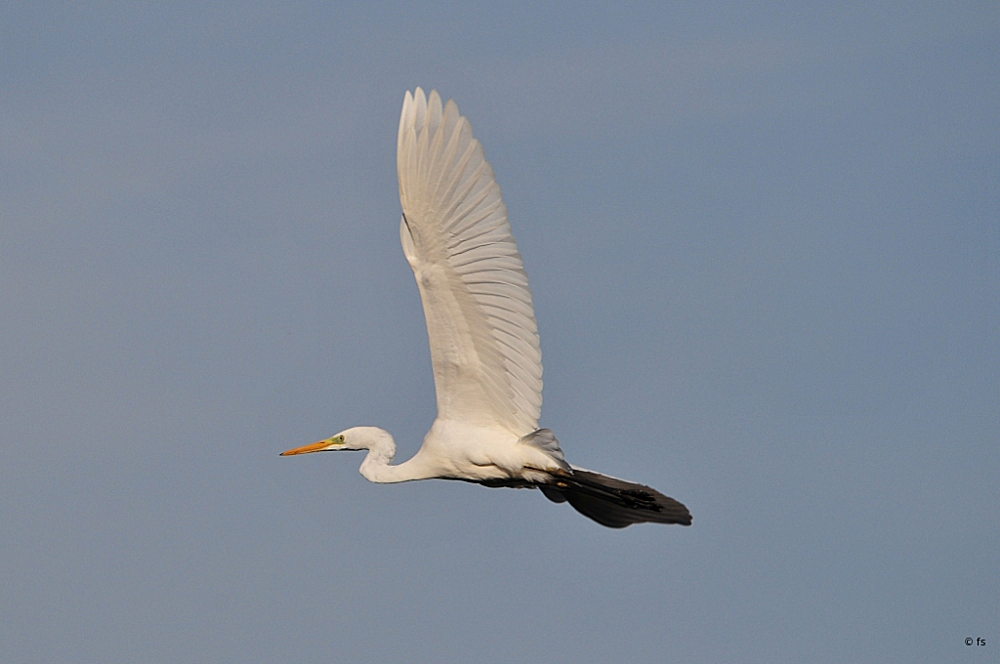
column 480, row 320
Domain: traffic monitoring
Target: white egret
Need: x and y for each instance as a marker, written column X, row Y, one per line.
column 483, row 337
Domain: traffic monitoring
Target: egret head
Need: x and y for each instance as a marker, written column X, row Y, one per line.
column 357, row 438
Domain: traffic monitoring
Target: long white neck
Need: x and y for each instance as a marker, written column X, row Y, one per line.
column 381, row 450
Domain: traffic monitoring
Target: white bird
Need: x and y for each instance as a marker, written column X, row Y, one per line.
column 483, row 337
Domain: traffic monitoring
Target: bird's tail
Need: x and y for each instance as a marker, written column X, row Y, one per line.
column 613, row 502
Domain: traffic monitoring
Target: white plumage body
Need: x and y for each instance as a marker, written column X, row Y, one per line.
column 476, row 453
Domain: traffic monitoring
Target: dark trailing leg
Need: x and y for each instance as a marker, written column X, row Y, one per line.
column 613, row 502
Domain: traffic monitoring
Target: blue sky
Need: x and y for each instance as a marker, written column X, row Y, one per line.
column 764, row 247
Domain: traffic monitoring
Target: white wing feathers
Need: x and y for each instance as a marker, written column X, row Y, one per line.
column 455, row 234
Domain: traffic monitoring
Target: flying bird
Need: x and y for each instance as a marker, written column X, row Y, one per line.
column 484, row 341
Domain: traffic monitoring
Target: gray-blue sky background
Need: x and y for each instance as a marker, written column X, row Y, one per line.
column 764, row 248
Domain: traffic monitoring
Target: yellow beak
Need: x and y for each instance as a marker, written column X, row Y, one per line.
column 306, row 449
